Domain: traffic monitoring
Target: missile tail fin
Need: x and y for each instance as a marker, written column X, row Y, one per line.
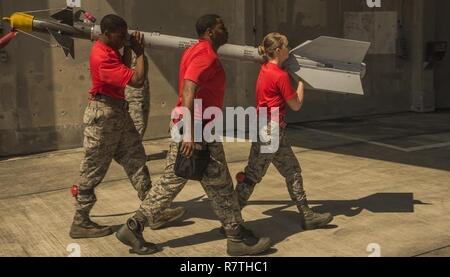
column 65, row 42
column 65, row 16
column 323, row 78
column 339, row 82
column 330, row 49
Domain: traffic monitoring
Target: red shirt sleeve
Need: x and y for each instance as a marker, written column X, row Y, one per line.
column 113, row 72
column 285, row 87
column 199, row 69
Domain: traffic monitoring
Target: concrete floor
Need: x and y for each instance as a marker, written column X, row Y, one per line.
column 385, row 178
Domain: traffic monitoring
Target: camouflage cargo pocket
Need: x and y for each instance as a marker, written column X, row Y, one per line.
column 216, row 173
column 90, row 115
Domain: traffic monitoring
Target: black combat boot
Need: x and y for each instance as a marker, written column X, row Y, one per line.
column 167, row 216
column 83, row 227
column 311, row 220
column 131, row 234
column 243, row 242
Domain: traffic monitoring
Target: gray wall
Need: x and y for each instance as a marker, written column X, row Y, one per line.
column 387, row 83
column 442, row 73
column 43, row 94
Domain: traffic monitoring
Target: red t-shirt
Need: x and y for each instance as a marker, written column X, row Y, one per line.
column 201, row 65
column 274, row 89
column 109, row 74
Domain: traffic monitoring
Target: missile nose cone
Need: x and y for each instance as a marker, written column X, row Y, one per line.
column 20, row 21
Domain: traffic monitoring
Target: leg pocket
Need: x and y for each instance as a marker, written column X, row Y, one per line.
column 90, row 115
column 214, row 170
column 217, row 171
column 101, row 115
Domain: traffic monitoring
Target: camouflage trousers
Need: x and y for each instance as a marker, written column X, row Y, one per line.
column 284, row 161
column 139, row 106
column 139, row 100
column 110, row 134
column 216, row 182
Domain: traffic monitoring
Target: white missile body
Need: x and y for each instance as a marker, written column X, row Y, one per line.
column 326, row 63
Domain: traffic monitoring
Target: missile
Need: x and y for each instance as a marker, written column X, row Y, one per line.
column 326, row 63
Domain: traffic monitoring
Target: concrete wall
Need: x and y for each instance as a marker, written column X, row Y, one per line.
column 442, row 73
column 387, row 85
column 43, row 94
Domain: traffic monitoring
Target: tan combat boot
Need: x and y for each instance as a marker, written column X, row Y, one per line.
column 311, row 220
column 167, row 216
column 83, row 227
column 244, row 243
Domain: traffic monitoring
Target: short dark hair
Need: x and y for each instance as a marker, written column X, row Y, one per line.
column 205, row 22
column 112, row 23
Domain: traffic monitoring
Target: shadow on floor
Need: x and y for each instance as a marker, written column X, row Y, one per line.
column 260, row 227
column 157, row 156
column 376, row 203
column 288, row 221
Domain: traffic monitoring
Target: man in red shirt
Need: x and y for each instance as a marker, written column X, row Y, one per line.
column 110, row 132
column 202, row 76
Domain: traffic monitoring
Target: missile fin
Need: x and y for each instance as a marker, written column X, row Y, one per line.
column 327, row 79
column 330, row 49
column 65, row 16
column 340, row 82
column 65, row 42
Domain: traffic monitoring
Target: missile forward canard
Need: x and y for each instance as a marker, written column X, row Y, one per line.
column 326, row 63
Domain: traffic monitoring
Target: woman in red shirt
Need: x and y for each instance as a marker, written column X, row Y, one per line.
column 274, row 90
